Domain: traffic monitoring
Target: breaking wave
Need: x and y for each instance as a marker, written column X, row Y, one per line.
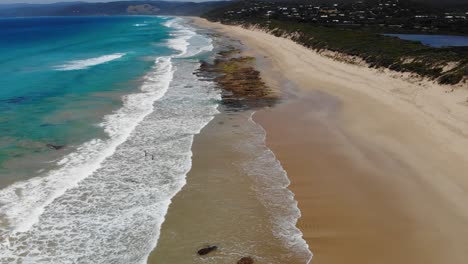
column 87, row 63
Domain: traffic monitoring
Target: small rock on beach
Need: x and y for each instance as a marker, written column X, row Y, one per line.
column 207, row 250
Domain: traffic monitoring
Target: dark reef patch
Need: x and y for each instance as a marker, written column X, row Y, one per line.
column 241, row 84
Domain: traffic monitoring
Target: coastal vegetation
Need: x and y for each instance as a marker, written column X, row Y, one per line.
column 445, row 65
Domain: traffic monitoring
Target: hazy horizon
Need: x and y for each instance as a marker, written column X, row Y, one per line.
column 97, row 1
column 90, row 1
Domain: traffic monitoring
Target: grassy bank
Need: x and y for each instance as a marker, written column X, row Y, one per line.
column 445, row 65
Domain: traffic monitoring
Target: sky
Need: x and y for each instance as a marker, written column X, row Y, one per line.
column 55, row 1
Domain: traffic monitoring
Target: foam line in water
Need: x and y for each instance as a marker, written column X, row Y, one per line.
column 191, row 52
column 23, row 202
column 87, row 63
column 183, row 32
column 123, row 204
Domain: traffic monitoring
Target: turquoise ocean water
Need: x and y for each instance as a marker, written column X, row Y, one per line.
column 59, row 76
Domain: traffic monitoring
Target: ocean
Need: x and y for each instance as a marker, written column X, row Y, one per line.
column 97, row 120
column 60, row 76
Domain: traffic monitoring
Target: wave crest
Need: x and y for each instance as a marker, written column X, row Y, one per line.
column 87, row 63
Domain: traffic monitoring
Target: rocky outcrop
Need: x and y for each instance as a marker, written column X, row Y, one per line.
column 55, row 147
column 241, row 82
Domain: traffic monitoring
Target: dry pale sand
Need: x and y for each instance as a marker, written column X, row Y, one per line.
column 379, row 164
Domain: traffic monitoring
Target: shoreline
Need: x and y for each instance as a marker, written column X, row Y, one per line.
column 375, row 161
column 220, row 206
column 235, row 196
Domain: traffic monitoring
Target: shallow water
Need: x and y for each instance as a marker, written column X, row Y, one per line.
column 437, row 41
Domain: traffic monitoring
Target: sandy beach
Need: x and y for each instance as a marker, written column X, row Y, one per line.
column 235, row 196
column 219, row 206
column 378, row 161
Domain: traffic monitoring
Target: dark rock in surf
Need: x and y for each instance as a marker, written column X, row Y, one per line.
column 55, row 147
column 245, row 260
column 207, row 250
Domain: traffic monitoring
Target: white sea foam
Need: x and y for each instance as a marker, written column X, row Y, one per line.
column 87, row 63
column 23, row 202
column 271, row 185
column 198, row 49
column 107, row 201
column 185, row 35
column 140, row 25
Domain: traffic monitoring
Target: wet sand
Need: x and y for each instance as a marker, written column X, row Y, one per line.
column 378, row 164
column 220, row 204
column 236, row 195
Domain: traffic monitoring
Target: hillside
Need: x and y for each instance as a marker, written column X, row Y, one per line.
column 111, row 8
